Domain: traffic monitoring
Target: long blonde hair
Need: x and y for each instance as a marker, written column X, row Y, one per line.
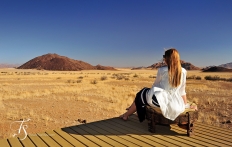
column 172, row 59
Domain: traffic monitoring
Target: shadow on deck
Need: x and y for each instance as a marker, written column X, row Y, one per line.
column 116, row 132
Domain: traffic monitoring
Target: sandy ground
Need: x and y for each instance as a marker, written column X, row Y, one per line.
column 56, row 114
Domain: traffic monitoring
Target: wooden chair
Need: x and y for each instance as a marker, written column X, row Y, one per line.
column 185, row 120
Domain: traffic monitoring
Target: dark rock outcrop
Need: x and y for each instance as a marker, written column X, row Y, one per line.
column 216, row 69
column 186, row 65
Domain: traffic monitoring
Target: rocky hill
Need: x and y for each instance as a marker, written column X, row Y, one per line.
column 100, row 67
column 227, row 65
column 186, row 65
column 136, row 68
column 60, row 63
column 156, row 65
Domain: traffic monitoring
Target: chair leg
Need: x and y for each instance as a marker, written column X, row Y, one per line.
column 149, row 119
column 150, row 116
column 190, row 126
column 152, row 123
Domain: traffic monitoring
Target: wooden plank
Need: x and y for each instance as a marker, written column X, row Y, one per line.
column 185, row 142
column 202, row 139
column 27, row 142
column 160, row 129
column 209, row 135
column 4, row 143
column 143, row 126
column 79, row 137
column 14, row 142
column 108, row 132
column 105, row 138
column 191, row 139
column 195, row 142
column 37, row 140
column 223, row 132
column 91, row 137
column 206, row 140
column 134, row 116
column 61, row 141
column 137, row 139
column 177, row 141
column 212, row 129
column 213, row 139
column 47, row 139
column 135, row 128
column 129, row 125
column 69, row 138
column 113, row 130
column 179, row 137
column 198, row 138
column 217, row 135
column 164, row 131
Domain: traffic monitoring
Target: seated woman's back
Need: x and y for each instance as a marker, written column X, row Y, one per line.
column 162, row 81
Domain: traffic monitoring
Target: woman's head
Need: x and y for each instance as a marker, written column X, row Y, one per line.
column 172, row 58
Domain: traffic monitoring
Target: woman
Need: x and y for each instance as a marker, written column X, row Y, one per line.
column 167, row 92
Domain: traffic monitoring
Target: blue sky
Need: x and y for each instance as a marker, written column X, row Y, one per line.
column 118, row 33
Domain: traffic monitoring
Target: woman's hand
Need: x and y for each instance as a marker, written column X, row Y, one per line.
column 193, row 106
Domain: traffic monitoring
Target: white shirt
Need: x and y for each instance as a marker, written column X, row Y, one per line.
column 169, row 98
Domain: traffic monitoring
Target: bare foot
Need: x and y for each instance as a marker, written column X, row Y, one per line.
column 123, row 117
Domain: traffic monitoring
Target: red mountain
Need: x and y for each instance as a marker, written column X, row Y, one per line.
column 59, row 63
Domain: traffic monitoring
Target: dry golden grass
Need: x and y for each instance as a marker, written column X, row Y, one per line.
column 53, row 99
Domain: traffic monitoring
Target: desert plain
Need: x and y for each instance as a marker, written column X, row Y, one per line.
column 56, row 99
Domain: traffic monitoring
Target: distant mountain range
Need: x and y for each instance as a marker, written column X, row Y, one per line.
column 57, row 62
column 9, row 65
column 227, row 65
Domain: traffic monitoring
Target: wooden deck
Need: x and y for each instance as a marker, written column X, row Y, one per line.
column 116, row 132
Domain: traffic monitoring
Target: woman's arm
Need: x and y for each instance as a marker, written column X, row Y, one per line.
column 187, row 105
column 183, row 86
column 158, row 79
column 184, row 98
